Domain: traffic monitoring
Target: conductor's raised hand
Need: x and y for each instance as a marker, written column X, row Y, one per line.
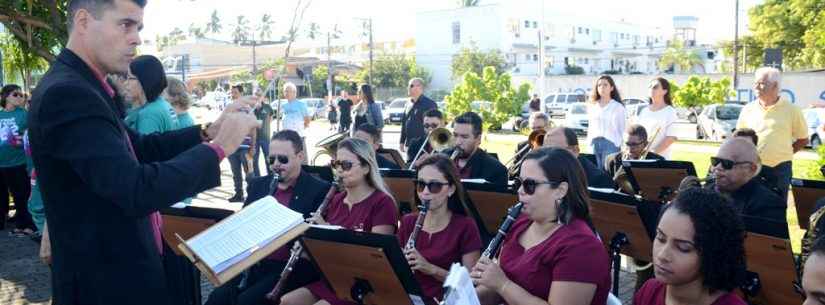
column 241, row 105
column 233, row 129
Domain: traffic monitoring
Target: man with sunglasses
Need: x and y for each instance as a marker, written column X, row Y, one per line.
column 635, row 144
column 412, row 124
column 563, row 137
column 371, row 134
column 432, row 119
column 473, row 162
column 736, row 168
column 298, row 190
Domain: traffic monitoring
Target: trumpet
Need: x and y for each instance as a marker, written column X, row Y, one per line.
column 536, row 140
column 297, row 249
column 439, row 139
column 419, row 224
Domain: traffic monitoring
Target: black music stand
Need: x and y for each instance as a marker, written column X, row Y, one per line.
column 320, row 172
column 771, row 277
column 805, row 195
column 365, row 268
column 626, row 226
column 590, row 157
column 657, row 180
column 401, row 185
column 487, row 203
column 393, row 155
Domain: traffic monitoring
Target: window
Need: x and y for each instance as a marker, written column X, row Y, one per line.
column 580, row 30
column 526, row 24
column 597, row 35
column 527, row 57
column 587, row 31
column 456, row 32
column 535, row 57
column 586, row 60
column 535, row 25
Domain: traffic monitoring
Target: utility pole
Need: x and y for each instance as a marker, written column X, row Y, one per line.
column 330, row 86
column 541, row 60
column 371, row 47
column 736, row 49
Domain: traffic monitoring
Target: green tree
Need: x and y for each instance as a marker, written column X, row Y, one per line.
column 19, row 63
column 676, row 55
column 394, row 71
column 495, row 88
column 240, row 30
column 195, row 31
column 39, row 26
column 214, row 25
column 702, row 91
column 751, row 52
column 264, row 27
column 472, row 59
column 795, row 26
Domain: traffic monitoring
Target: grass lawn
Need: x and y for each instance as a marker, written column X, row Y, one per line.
column 504, row 145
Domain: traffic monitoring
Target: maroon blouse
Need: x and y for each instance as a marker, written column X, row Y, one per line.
column 653, row 293
column 571, row 254
column 442, row 248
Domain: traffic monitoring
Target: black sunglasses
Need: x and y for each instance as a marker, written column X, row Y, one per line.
column 630, row 144
column 529, row 185
column 17, row 94
column 726, row 164
column 344, row 165
column 434, row 186
column 283, row 159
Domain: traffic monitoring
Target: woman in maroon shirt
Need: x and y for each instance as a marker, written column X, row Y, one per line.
column 698, row 253
column 447, row 235
column 364, row 205
column 551, row 254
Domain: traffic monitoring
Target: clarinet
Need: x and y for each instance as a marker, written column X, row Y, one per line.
column 273, row 185
column 297, row 249
column 512, row 214
column 419, row 224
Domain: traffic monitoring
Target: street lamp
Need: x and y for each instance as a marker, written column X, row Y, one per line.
column 367, row 22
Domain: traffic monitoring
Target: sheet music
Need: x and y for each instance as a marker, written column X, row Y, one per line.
column 602, row 190
column 238, row 236
column 477, row 180
column 461, row 288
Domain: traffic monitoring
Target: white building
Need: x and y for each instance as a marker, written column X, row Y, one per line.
column 514, row 28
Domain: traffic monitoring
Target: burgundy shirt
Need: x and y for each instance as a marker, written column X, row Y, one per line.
column 572, row 253
column 653, row 293
column 442, row 248
column 375, row 210
column 284, row 197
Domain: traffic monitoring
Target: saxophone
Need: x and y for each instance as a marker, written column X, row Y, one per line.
column 297, row 249
column 419, row 224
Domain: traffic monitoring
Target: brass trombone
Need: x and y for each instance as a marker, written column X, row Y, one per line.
column 440, row 139
column 536, row 140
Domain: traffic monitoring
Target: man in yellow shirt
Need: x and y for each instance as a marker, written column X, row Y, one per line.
column 779, row 124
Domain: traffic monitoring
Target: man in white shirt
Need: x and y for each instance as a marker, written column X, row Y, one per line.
column 296, row 114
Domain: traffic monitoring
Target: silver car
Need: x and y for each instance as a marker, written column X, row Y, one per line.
column 717, row 122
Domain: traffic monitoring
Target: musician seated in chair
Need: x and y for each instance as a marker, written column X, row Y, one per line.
column 473, row 162
column 432, row 119
column 635, row 147
column 735, row 168
column 766, row 173
column 539, row 121
column 298, row 190
column 813, row 279
column 446, row 235
column 565, row 138
column 372, row 135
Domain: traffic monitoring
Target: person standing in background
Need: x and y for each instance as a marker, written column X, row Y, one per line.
column 13, row 176
column 412, row 124
column 345, row 108
column 606, row 119
column 296, row 114
column 264, row 113
column 367, row 111
column 177, row 96
column 332, row 115
column 658, row 118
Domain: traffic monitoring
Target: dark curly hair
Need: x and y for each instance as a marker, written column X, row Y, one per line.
column 6, row 91
column 719, row 237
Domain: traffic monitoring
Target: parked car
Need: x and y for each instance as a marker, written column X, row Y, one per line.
column 633, row 101
column 557, row 104
column 576, row 118
column 522, row 120
column 815, row 118
column 213, row 100
column 717, row 121
column 633, row 112
column 316, row 107
column 396, row 109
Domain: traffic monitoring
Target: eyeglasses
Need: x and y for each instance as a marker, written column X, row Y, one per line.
column 529, row 185
column 427, row 126
column 283, row 159
column 344, row 165
column 17, row 94
column 434, row 186
column 726, row 164
column 631, row 144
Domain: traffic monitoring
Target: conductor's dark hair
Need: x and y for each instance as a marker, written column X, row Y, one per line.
column 290, row 136
column 457, row 202
column 719, row 236
column 434, row 113
column 471, row 118
column 95, row 7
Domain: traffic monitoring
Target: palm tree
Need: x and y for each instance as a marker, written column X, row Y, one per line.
column 467, row 3
column 678, row 57
column 195, row 31
column 214, row 25
column 265, row 27
column 313, row 30
column 240, row 30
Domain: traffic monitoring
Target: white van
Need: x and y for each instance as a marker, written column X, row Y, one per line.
column 557, row 104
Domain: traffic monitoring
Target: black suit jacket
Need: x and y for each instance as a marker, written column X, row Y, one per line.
column 307, row 193
column 756, row 200
column 97, row 196
column 484, row 166
column 412, row 124
column 596, row 177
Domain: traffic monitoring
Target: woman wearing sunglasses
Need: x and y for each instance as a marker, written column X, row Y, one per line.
column 448, row 235
column 551, row 254
column 364, row 205
column 13, row 175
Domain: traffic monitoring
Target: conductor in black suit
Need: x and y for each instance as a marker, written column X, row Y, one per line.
column 412, row 124
column 472, row 161
column 298, row 190
column 101, row 181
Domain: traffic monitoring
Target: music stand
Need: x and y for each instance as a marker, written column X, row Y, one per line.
column 488, row 204
column 657, row 180
column 400, row 184
column 772, row 277
column 590, row 157
column 805, row 195
column 392, row 155
column 320, row 172
column 624, row 225
column 365, row 268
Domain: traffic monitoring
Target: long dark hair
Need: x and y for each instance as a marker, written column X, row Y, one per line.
column 595, row 97
column 6, row 91
column 366, row 89
column 456, row 203
column 665, row 86
column 561, row 166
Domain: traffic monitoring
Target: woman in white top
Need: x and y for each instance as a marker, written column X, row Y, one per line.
column 606, row 119
column 658, row 118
